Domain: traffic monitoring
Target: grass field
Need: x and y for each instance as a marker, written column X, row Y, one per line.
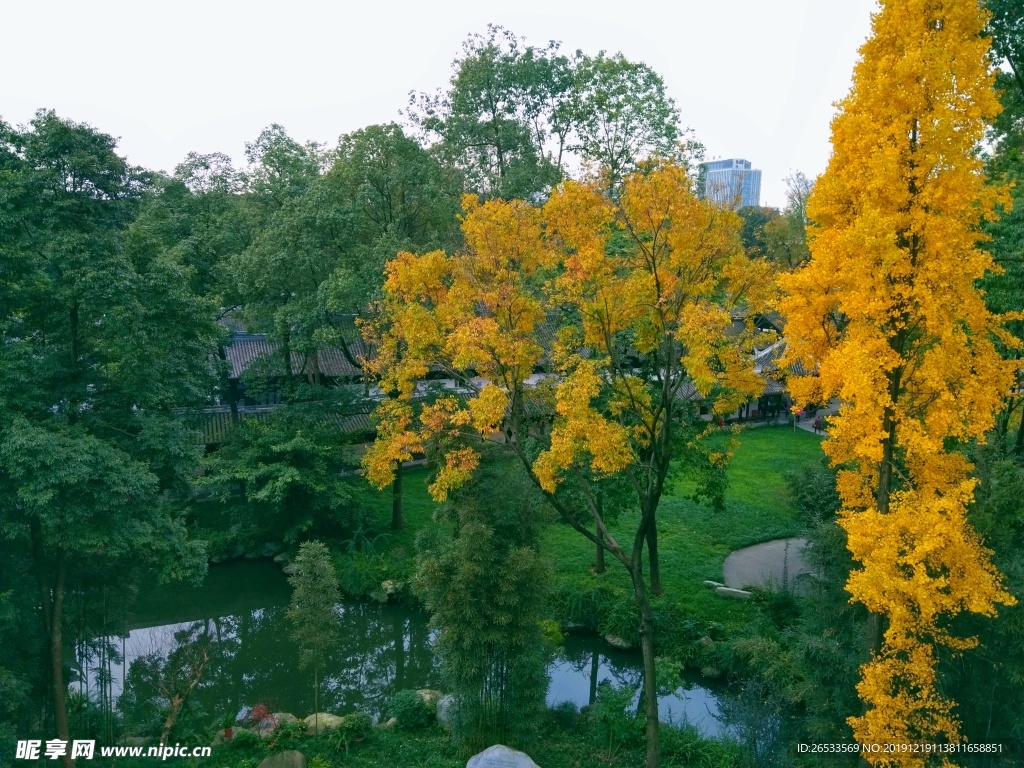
column 694, row 539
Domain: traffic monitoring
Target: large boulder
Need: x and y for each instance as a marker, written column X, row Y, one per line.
column 322, row 721
column 500, row 756
column 446, row 710
column 291, row 758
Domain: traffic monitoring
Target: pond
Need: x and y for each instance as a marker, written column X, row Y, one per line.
column 240, row 611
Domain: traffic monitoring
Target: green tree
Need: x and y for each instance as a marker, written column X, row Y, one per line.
column 287, row 474
column 495, row 118
column 785, row 237
column 485, row 585
column 315, row 627
column 1005, row 292
column 515, row 116
column 98, row 343
column 622, row 116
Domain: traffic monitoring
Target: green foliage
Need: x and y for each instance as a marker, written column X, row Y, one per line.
column 312, row 609
column 409, row 709
column 813, row 490
column 289, row 467
column 353, row 727
column 513, row 115
column 485, row 586
column 613, row 724
column 988, row 680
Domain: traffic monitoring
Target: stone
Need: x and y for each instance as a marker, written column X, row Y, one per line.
column 738, row 594
column 290, row 569
column 284, row 717
column 389, row 724
column 446, row 710
column 266, row 726
column 282, row 558
column 322, row 721
column 430, row 697
column 500, row 756
column 711, row 673
column 291, row 758
column 618, row 642
column 390, row 588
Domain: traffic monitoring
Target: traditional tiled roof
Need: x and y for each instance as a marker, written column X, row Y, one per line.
column 215, row 423
column 245, row 349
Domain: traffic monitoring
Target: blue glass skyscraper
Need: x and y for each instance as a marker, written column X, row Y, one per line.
column 732, row 183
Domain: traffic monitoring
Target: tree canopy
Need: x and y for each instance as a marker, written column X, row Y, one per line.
column 888, row 315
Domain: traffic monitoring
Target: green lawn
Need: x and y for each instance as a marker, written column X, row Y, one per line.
column 694, row 539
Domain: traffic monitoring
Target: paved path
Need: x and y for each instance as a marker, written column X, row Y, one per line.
column 774, row 564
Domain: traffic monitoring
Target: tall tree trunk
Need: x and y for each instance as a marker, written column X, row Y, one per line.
column 652, row 555
column 650, row 686
column 60, row 709
column 396, row 499
column 883, row 494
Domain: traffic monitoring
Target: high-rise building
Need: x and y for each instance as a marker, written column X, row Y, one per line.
column 732, row 183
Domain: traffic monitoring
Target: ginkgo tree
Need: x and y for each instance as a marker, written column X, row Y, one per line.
column 888, row 313
column 608, row 317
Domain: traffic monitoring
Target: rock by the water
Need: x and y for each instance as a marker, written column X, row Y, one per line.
column 500, row 756
column 389, row 724
column 391, row 587
column 291, row 758
column 290, row 569
column 322, row 721
column 446, row 710
column 283, row 558
column 618, row 642
column 430, row 697
column 738, row 594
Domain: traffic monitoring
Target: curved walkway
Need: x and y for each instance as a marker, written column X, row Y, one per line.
column 773, row 564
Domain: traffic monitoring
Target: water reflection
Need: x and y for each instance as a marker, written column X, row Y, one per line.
column 588, row 662
column 237, row 619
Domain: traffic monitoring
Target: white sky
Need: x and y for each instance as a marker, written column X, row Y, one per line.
column 755, row 79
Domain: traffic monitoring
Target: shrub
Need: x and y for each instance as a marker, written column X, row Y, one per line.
column 613, row 723
column 409, row 709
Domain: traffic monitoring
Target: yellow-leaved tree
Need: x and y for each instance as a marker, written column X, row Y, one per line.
column 579, row 335
column 888, row 315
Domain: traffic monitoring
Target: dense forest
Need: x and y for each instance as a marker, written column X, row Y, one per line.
column 519, row 286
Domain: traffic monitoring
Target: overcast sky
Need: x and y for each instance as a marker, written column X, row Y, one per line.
column 754, row 79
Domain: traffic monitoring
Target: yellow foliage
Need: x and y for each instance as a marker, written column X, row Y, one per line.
column 888, row 314
column 664, row 291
